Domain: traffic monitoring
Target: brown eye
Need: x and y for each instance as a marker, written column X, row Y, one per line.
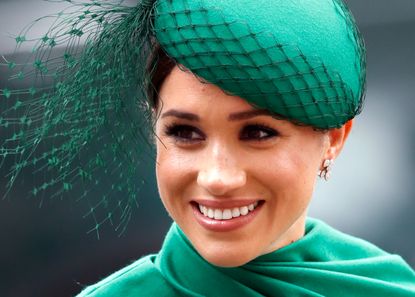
column 257, row 133
column 184, row 133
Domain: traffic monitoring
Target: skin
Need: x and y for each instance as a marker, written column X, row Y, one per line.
column 214, row 155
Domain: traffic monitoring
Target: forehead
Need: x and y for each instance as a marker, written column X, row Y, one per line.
column 183, row 90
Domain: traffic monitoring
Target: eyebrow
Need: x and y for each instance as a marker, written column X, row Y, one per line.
column 238, row 116
column 245, row 115
column 181, row 115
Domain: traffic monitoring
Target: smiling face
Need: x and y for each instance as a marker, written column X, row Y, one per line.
column 236, row 180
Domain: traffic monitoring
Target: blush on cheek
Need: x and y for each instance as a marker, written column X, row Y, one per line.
column 176, row 167
column 174, row 174
column 285, row 168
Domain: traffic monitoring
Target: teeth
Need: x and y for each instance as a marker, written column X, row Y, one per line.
column 227, row 214
column 218, row 214
column 210, row 213
column 235, row 212
column 244, row 210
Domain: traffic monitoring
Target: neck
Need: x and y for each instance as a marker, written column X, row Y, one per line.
column 294, row 233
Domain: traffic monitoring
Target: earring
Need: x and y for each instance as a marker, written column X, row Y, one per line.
column 326, row 171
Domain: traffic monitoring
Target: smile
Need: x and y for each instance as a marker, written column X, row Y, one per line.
column 227, row 214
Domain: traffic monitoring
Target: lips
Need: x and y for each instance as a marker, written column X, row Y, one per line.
column 225, row 215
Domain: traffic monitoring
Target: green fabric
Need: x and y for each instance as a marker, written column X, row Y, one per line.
column 304, row 60
column 325, row 262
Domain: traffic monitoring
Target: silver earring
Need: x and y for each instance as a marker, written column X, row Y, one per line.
column 326, row 171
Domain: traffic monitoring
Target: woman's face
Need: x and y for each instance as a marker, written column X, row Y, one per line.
column 236, row 180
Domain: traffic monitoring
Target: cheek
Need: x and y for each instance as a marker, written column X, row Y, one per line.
column 291, row 174
column 174, row 171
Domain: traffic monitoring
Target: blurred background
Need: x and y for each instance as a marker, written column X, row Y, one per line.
column 45, row 247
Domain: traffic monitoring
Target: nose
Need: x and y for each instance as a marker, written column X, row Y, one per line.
column 219, row 173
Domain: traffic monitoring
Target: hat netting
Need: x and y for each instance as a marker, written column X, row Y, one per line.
column 304, row 61
column 73, row 114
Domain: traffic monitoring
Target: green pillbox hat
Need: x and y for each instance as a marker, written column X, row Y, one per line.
column 302, row 60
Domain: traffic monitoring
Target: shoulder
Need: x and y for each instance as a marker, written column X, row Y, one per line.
column 329, row 244
column 140, row 278
column 337, row 245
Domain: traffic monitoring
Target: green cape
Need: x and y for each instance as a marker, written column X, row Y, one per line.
column 325, row 262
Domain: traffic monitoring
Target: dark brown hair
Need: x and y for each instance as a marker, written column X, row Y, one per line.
column 159, row 67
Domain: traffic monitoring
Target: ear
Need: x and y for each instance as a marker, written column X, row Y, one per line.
column 337, row 139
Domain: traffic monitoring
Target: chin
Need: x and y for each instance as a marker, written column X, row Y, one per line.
column 226, row 257
column 226, row 261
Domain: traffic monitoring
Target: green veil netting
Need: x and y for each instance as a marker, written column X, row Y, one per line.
column 91, row 121
column 75, row 113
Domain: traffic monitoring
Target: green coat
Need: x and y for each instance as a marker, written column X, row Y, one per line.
column 325, row 262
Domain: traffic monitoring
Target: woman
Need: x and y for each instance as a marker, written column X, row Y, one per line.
column 250, row 101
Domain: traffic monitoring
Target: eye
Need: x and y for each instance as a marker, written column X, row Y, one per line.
column 257, row 132
column 184, row 133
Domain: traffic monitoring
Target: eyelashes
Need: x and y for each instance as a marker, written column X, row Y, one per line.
column 184, row 133
column 257, row 132
column 190, row 134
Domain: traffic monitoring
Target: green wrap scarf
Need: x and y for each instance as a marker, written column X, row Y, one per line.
column 325, row 262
